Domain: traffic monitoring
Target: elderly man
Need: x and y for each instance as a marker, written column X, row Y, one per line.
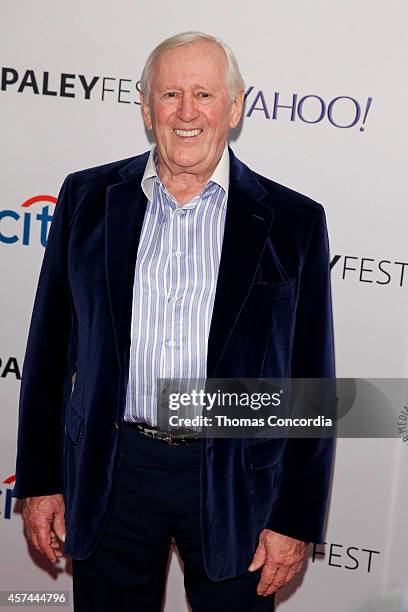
column 181, row 263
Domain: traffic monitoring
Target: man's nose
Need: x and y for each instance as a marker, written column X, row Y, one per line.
column 187, row 109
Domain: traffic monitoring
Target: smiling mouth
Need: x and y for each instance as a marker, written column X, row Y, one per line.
column 187, row 133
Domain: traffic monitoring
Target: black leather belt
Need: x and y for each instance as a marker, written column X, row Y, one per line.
column 172, row 438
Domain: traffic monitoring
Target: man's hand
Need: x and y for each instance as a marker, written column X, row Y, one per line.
column 282, row 558
column 44, row 522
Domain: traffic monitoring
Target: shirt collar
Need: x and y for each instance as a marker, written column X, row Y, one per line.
column 220, row 176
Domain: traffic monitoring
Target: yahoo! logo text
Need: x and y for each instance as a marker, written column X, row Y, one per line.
column 341, row 111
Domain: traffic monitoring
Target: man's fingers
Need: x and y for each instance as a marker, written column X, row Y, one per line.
column 59, row 527
column 56, row 546
column 258, row 559
column 44, row 541
column 271, row 582
column 283, row 558
column 38, row 544
column 299, row 566
column 280, row 578
column 267, row 578
column 44, row 521
column 32, row 538
column 58, row 536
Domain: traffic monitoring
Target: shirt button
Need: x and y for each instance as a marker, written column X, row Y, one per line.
column 171, row 343
column 179, row 253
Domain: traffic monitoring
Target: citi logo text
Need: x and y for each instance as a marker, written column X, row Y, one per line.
column 5, row 507
column 28, row 224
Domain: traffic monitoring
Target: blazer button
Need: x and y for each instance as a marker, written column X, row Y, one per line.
column 115, row 426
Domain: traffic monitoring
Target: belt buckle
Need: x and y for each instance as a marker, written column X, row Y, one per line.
column 169, row 439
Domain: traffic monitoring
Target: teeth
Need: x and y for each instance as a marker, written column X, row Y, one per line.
column 188, row 133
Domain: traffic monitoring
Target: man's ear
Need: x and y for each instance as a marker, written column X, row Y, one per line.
column 147, row 118
column 237, row 108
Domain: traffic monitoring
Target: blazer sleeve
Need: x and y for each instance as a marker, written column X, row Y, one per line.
column 301, row 502
column 46, row 364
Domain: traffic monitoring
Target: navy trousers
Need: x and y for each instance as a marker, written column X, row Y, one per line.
column 157, row 500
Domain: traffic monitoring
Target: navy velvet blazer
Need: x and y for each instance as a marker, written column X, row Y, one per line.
column 272, row 318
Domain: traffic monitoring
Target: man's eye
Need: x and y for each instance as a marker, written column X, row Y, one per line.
column 204, row 94
column 171, row 94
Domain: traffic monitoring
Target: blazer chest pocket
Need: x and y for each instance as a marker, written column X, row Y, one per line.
column 273, row 291
column 74, row 423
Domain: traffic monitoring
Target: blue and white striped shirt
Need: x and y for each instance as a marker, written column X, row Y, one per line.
column 174, row 286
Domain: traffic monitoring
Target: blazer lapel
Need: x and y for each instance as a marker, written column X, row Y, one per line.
column 125, row 209
column 247, row 224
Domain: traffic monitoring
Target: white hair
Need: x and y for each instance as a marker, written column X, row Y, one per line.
column 233, row 78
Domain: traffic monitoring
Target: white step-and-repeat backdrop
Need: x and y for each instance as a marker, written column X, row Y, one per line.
column 325, row 114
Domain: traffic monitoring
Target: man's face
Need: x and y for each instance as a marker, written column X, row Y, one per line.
column 189, row 108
